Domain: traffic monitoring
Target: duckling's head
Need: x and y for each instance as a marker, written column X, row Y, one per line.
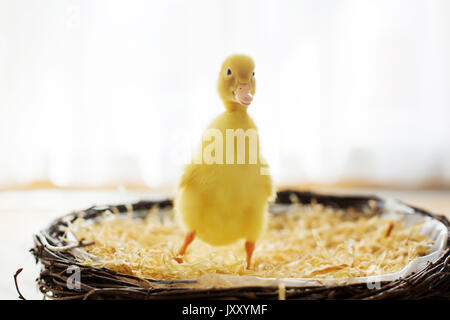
column 237, row 83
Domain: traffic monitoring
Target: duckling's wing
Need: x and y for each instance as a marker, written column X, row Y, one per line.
column 203, row 176
column 190, row 175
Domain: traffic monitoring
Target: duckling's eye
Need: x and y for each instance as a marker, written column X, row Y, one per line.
column 253, row 73
column 229, row 72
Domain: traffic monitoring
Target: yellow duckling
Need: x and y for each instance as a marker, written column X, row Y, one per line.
column 223, row 194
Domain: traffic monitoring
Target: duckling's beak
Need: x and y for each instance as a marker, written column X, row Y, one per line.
column 243, row 94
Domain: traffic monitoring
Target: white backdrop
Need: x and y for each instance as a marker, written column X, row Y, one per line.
column 100, row 92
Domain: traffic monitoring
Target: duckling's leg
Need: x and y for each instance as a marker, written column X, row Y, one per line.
column 187, row 241
column 249, row 247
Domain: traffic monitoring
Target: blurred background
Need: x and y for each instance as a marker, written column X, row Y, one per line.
column 107, row 93
column 104, row 101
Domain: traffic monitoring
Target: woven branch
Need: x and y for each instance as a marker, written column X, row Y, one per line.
column 56, row 256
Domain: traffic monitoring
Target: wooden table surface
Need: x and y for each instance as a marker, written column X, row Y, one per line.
column 24, row 213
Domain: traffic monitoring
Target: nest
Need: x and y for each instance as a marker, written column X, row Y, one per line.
column 60, row 261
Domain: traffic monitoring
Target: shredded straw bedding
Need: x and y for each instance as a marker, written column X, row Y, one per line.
column 310, row 242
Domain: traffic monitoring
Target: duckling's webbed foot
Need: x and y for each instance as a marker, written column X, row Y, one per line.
column 187, row 241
